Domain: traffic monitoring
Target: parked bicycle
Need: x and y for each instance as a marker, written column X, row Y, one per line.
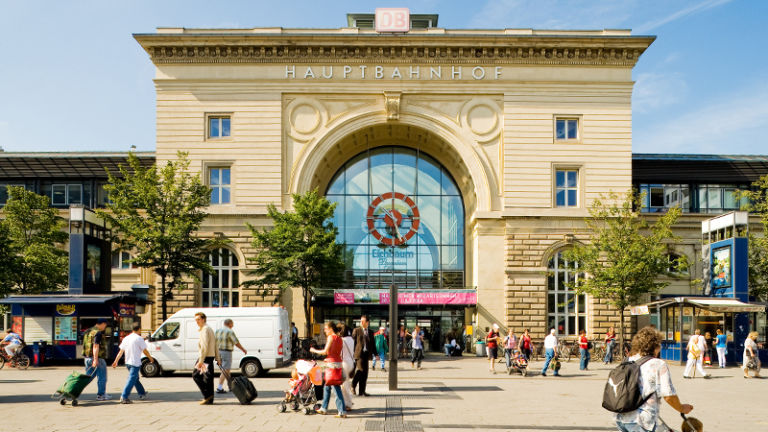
column 19, row 360
column 567, row 349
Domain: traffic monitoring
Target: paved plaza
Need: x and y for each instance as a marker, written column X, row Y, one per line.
column 447, row 394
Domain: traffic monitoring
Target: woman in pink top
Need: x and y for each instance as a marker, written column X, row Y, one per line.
column 332, row 351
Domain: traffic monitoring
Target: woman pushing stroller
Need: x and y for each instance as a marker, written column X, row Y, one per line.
column 333, row 372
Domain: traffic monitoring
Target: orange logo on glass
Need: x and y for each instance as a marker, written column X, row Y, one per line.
column 393, row 218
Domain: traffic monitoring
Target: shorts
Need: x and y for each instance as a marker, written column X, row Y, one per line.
column 226, row 359
column 493, row 353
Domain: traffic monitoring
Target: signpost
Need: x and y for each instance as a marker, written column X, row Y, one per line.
column 394, row 348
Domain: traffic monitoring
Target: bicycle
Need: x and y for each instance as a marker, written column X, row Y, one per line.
column 19, row 360
column 598, row 349
column 567, row 349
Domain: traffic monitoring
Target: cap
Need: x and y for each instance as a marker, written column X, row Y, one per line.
column 496, row 326
column 102, row 321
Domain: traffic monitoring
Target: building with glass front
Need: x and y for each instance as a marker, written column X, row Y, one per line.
column 462, row 162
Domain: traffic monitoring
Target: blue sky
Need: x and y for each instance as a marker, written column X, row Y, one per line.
column 72, row 78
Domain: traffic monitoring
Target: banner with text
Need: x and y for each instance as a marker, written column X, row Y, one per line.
column 406, row 297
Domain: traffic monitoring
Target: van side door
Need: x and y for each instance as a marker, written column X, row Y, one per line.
column 166, row 345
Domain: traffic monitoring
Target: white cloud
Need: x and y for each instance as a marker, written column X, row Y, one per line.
column 733, row 124
column 654, row 90
column 699, row 7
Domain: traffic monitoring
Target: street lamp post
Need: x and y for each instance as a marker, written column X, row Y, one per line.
column 394, row 349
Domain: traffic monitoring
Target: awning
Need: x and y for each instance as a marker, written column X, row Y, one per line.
column 713, row 304
column 54, row 299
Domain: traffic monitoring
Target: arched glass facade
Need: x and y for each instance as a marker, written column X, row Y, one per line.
column 566, row 310
column 401, row 217
column 222, row 287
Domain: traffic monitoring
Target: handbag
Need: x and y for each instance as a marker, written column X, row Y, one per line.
column 333, row 374
column 752, row 363
column 589, row 345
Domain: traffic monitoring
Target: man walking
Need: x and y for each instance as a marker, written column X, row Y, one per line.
column 132, row 346
column 95, row 355
column 382, row 348
column 226, row 341
column 364, row 347
column 208, row 351
column 550, row 348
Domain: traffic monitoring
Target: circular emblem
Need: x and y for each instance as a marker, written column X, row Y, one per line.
column 393, row 218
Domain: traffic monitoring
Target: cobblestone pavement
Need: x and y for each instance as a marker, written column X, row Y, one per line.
column 451, row 394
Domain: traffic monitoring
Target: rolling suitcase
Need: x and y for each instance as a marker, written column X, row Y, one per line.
column 242, row 387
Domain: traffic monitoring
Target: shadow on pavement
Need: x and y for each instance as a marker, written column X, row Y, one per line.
column 518, row 427
column 264, row 398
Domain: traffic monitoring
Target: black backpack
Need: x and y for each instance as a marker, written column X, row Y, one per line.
column 622, row 391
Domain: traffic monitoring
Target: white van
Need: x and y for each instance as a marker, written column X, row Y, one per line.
column 263, row 331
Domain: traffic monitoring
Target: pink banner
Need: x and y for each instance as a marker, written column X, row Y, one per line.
column 431, row 297
column 343, row 298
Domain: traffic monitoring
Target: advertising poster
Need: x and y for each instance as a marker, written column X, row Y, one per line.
column 721, row 267
column 65, row 328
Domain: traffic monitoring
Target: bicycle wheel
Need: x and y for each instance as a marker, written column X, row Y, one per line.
column 22, row 361
column 2, row 361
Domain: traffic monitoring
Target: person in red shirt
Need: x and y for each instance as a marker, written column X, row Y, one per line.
column 583, row 349
column 610, row 339
column 492, row 343
column 525, row 344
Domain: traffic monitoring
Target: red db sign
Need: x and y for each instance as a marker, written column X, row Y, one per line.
column 393, row 20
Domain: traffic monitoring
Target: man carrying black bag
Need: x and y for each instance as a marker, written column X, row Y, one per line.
column 203, row 373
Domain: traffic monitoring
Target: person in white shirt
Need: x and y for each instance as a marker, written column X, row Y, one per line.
column 132, row 346
column 550, row 349
column 750, row 351
column 696, row 347
column 347, row 364
column 655, row 384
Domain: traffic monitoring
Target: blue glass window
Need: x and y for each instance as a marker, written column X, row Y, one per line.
column 219, row 182
column 566, row 188
column 224, row 283
column 219, row 127
column 401, row 216
column 566, row 129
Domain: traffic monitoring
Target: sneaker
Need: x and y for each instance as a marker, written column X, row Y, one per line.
column 321, row 411
column 144, row 396
column 383, row 370
column 221, row 390
column 340, row 416
column 103, row 397
column 125, row 401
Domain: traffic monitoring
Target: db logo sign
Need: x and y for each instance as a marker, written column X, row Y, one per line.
column 393, row 20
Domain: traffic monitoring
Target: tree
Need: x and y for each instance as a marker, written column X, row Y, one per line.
column 156, row 212
column 32, row 244
column 300, row 250
column 757, row 202
column 625, row 254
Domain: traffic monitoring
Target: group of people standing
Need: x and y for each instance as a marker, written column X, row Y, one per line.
column 511, row 344
column 699, row 350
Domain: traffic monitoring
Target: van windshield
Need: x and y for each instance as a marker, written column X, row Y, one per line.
column 169, row 330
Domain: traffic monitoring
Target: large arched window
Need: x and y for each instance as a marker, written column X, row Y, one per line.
column 222, row 287
column 401, row 217
column 566, row 310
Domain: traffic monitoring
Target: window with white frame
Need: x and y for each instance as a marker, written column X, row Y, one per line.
column 566, row 187
column 219, row 126
column 66, row 194
column 566, row 310
column 219, row 180
column 566, row 128
column 121, row 260
column 221, row 288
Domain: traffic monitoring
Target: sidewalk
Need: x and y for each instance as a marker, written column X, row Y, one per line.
column 447, row 394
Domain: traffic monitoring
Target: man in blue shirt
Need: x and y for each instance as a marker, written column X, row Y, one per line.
column 12, row 342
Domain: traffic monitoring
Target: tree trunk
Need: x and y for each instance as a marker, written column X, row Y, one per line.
column 621, row 333
column 162, row 297
column 307, row 310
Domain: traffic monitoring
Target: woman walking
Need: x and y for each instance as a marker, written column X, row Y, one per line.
column 583, row 350
column 492, row 344
column 347, row 364
column 721, row 342
column 526, row 345
column 510, row 345
column 333, row 372
column 751, row 360
column 417, row 352
column 610, row 341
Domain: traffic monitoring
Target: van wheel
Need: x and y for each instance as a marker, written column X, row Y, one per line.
column 151, row 369
column 252, row 368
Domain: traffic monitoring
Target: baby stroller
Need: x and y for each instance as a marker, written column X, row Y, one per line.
column 301, row 393
column 519, row 364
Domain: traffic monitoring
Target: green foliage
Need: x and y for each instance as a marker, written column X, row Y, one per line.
column 32, row 255
column 758, row 245
column 300, row 250
column 625, row 254
column 155, row 213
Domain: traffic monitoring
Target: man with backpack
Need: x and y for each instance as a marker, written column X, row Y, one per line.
column 697, row 345
column 95, row 355
column 635, row 388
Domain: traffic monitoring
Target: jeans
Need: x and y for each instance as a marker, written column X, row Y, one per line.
column 383, row 357
column 550, row 354
column 508, row 357
column 101, row 374
column 417, row 354
column 609, row 351
column 632, row 427
column 585, row 356
column 449, row 349
column 133, row 381
column 339, row 399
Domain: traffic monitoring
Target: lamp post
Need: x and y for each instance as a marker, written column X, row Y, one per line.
column 394, row 349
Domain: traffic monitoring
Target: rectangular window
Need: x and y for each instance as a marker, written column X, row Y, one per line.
column 566, row 188
column 219, row 126
column 66, row 194
column 566, row 128
column 219, row 180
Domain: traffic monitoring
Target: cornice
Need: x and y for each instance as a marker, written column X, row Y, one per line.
column 592, row 51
